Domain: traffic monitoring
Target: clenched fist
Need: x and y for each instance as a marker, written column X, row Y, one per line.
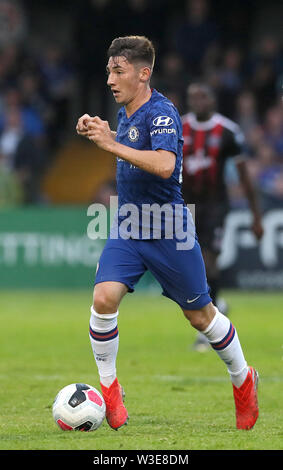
column 82, row 123
column 96, row 130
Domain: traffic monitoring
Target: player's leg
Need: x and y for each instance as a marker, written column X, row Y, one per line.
column 104, row 335
column 201, row 343
column 182, row 275
column 223, row 338
column 119, row 270
column 210, row 228
column 104, row 338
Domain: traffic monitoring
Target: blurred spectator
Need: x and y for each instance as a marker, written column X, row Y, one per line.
column 267, row 172
column 141, row 17
column 19, row 154
column 264, row 66
column 273, row 129
column 270, row 51
column 94, row 29
column 196, row 34
column 255, row 138
column 13, row 22
column 58, row 82
column 33, row 96
column 134, row 17
column 230, row 81
column 32, row 121
column 236, row 19
column 10, row 60
column 246, row 111
column 265, row 145
column 11, row 192
column 10, row 137
column 211, row 60
column 172, row 78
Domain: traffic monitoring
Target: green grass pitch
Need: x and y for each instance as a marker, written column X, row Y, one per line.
column 176, row 398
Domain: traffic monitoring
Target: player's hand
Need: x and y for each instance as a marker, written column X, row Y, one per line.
column 99, row 132
column 257, row 228
column 82, row 123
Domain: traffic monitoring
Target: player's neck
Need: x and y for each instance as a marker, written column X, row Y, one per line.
column 204, row 117
column 139, row 99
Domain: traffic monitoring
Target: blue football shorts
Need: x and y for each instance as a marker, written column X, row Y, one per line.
column 181, row 273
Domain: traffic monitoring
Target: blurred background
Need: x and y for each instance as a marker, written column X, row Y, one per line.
column 52, row 70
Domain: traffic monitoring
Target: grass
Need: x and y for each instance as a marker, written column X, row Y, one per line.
column 176, row 398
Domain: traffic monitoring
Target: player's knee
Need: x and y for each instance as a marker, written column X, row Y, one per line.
column 200, row 319
column 103, row 301
column 197, row 320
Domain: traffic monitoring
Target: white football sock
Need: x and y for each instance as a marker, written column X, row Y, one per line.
column 104, row 338
column 224, row 340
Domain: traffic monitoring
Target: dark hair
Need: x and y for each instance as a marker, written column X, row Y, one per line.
column 134, row 49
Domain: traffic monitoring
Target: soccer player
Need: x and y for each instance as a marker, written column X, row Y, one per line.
column 209, row 140
column 148, row 147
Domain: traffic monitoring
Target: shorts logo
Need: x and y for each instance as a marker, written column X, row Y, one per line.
column 162, row 121
column 192, row 300
column 133, row 134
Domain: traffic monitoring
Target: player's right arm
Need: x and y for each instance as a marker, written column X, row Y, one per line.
column 159, row 162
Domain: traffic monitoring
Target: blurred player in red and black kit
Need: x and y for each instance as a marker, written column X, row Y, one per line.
column 209, row 140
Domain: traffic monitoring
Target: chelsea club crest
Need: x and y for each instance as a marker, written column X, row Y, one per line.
column 133, row 134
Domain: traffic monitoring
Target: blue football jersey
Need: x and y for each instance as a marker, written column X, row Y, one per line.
column 155, row 125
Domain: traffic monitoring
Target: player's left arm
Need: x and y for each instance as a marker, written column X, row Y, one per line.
column 158, row 162
column 235, row 146
column 251, row 196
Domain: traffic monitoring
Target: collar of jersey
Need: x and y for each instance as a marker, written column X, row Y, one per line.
column 202, row 125
column 153, row 94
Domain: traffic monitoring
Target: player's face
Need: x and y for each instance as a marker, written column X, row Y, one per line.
column 199, row 101
column 123, row 79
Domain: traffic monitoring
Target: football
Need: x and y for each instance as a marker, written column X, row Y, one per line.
column 79, row 407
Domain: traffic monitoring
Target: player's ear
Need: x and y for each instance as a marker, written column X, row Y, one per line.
column 145, row 73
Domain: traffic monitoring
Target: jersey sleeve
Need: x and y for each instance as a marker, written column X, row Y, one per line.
column 235, row 144
column 163, row 128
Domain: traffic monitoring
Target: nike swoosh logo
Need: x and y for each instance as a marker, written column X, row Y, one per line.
column 190, row 301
